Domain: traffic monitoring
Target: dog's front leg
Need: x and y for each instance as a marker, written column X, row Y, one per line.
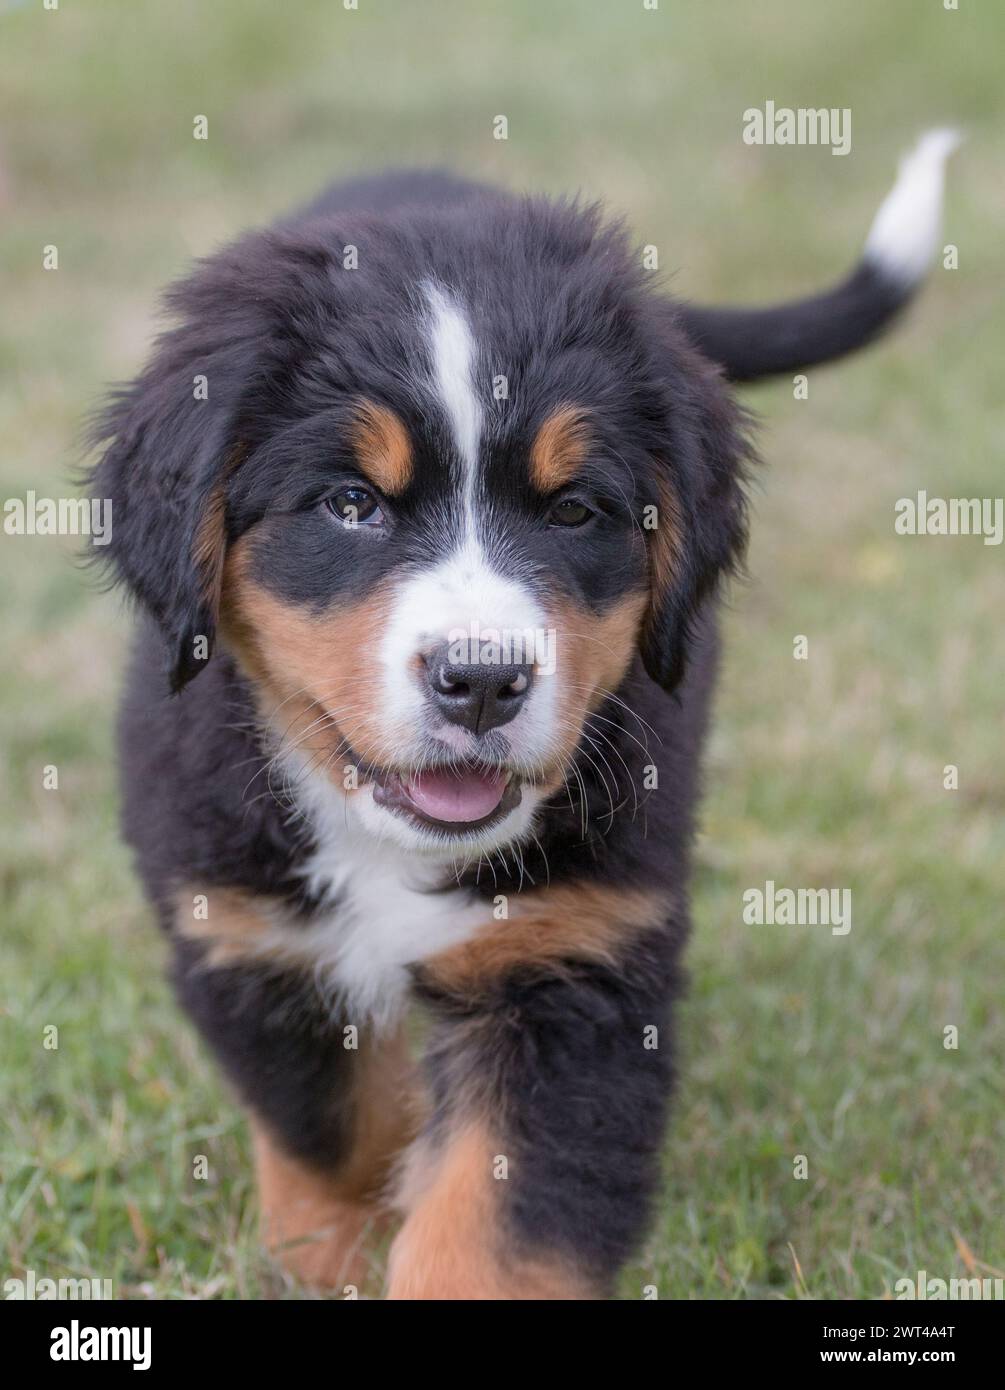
column 549, row 1082
column 331, row 1106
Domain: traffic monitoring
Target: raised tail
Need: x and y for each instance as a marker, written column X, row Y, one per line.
column 758, row 342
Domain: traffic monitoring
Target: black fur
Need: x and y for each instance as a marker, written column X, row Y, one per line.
column 282, row 1048
column 757, row 342
column 580, row 1101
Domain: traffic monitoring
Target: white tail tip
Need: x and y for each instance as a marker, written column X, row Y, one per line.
column 905, row 232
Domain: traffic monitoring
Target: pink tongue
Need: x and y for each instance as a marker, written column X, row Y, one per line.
column 457, row 796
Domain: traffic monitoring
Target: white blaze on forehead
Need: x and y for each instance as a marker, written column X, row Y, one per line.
column 452, row 349
column 465, row 588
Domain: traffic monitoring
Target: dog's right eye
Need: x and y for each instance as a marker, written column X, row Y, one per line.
column 570, row 512
column 355, row 506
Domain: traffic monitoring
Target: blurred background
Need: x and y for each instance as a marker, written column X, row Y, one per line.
column 821, row 772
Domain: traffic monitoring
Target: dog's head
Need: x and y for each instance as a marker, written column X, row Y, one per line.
column 434, row 483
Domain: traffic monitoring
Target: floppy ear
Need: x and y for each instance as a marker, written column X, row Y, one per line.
column 170, row 437
column 700, row 529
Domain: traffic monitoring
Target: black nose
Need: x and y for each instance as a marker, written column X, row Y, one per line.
column 479, row 697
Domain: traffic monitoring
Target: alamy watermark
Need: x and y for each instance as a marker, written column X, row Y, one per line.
column 528, row 646
column 32, row 515
column 950, row 516
column 33, row 1289
column 798, row 907
column 801, row 125
column 926, row 1288
column 83, row 1343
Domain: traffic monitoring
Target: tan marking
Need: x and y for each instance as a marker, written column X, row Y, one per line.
column 545, row 927
column 317, row 674
column 208, row 552
column 559, row 449
column 593, row 655
column 235, row 925
column 597, row 651
column 664, row 549
column 317, row 1223
column 453, row 1244
column 242, row 928
column 383, row 447
column 315, row 1234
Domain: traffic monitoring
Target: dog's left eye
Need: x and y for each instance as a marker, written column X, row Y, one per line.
column 569, row 512
column 355, row 506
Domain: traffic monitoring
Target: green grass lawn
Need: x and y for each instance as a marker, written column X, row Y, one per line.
column 825, row 771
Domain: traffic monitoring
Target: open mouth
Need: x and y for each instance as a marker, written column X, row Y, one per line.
column 455, row 800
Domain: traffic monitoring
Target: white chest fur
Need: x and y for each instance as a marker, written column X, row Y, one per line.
column 388, row 909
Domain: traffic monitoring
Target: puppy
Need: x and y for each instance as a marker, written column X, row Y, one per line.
column 425, row 502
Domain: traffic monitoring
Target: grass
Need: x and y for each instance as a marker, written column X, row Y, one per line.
column 828, row 771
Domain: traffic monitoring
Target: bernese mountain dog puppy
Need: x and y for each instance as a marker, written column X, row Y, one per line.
column 425, row 501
